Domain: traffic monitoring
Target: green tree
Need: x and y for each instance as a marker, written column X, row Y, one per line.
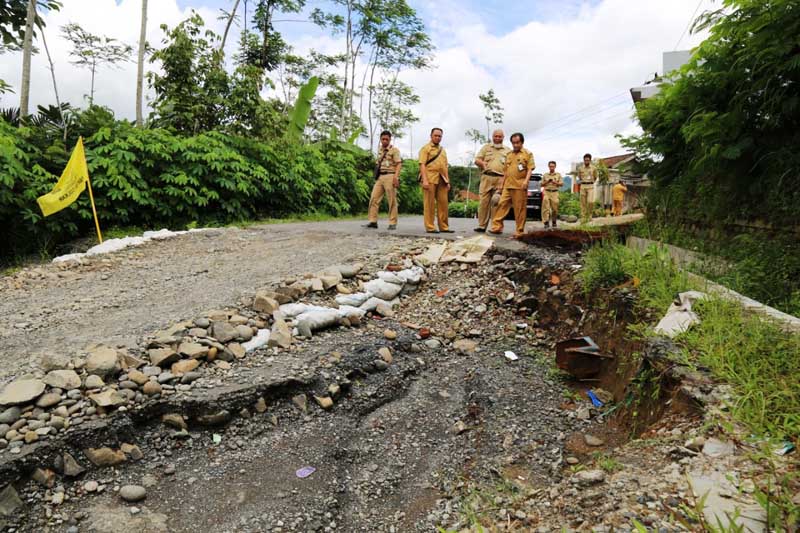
column 190, row 94
column 493, row 113
column 92, row 51
column 393, row 100
column 724, row 133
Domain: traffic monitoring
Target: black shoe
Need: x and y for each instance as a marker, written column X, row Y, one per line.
column 447, row 231
column 546, row 225
column 555, row 225
column 392, row 227
column 371, row 225
column 495, row 232
column 480, row 230
column 431, row 231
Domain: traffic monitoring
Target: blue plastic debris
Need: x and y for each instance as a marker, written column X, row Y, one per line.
column 595, row 400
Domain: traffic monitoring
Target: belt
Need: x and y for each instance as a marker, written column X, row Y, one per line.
column 491, row 173
column 587, row 184
column 387, row 173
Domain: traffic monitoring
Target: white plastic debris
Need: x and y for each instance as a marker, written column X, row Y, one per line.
column 680, row 316
column 260, row 339
column 511, row 356
column 353, row 299
column 383, row 289
column 114, row 245
column 412, row 276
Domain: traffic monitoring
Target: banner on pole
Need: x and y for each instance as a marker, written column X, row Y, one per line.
column 69, row 186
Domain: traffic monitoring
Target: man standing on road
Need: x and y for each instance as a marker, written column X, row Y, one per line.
column 435, row 183
column 516, row 175
column 551, row 184
column 588, row 175
column 618, row 197
column 491, row 160
column 387, row 181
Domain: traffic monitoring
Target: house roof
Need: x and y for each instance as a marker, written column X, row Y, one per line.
column 613, row 161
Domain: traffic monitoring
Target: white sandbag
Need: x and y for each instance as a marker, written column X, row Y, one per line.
column 348, row 311
column 680, row 316
column 373, row 303
column 318, row 319
column 383, row 289
column 391, row 277
column 412, row 275
column 353, row 299
column 292, row 310
column 260, row 339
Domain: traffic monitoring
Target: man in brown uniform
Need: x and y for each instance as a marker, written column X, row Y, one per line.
column 387, row 181
column 588, row 175
column 435, row 183
column 491, row 160
column 516, row 174
column 551, row 184
column 618, row 197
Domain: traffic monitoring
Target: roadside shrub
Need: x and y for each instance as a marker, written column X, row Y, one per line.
column 468, row 209
column 152, row 177
column 409, row 197
column 569, row 204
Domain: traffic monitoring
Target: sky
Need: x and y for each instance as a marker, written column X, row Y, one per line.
column 562, row 69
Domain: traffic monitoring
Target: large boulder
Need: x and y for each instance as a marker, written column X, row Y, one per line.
column 21, row 391
column 102, row 361
column 63, row 379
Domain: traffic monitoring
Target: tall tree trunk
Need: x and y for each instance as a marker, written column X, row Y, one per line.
column 140, row 66
column 369, row 104
column 91, row 87
column 228, row 26
column 349, row 42
column 363, row 83
column 27, row 47
column 55, row 87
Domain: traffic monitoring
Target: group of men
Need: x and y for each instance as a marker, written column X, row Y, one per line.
column 505, row 174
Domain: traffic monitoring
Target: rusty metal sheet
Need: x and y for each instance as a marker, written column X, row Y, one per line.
column 580, row 357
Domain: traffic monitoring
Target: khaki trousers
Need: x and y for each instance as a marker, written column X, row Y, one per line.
column 511, row 198
column 587, row 205
column 489, row 185
column 383, row 185
column 435, row 202
column 618, row 207
column 549, row 206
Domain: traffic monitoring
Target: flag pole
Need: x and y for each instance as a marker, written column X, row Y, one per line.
column 94, row 210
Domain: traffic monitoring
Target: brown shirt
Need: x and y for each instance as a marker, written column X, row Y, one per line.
column 618, row 192
column 552, row 182
column 587, row 175
column 517, row 172
column 495, row 158
column 390, row 161
column 436, row 168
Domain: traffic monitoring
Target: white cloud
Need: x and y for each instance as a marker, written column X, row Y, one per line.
column 542, row 70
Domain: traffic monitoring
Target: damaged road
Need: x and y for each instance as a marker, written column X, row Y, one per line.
column 409, row 418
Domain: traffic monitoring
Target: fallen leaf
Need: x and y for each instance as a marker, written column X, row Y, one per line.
column 554, row 279
column 441, row 292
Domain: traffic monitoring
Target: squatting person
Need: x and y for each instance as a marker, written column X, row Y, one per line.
column 435, row 183
column 588, row 176
column 618, row 197
column 491, row 159
column 551, row 184
column 387, row 181
column 516, row 175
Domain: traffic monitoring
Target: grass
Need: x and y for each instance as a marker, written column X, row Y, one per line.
column 759, row 360
column 607, row 463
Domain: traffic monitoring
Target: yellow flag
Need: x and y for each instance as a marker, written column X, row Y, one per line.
column 69, row 186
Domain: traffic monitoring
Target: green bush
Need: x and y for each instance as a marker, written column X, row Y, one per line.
column 152, row 177
column 468, row 209
column 569, row 203
column 409, row 196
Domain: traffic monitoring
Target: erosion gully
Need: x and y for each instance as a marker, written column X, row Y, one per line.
column 451, row 436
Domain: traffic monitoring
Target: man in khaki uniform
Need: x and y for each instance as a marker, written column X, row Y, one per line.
column 551, row 184
column 435, row 183
column 491, row 160
column 618, row 197
column 387, row 181
column 588, row 175
column 516, row 175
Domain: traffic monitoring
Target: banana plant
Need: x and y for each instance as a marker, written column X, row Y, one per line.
column 298, row 117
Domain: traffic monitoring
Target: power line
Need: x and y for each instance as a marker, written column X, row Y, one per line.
column 689, row 25
column 556, row 121
column 580, row 118
column 584, row 126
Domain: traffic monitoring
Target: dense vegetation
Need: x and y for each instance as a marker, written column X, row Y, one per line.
column 720, row 140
